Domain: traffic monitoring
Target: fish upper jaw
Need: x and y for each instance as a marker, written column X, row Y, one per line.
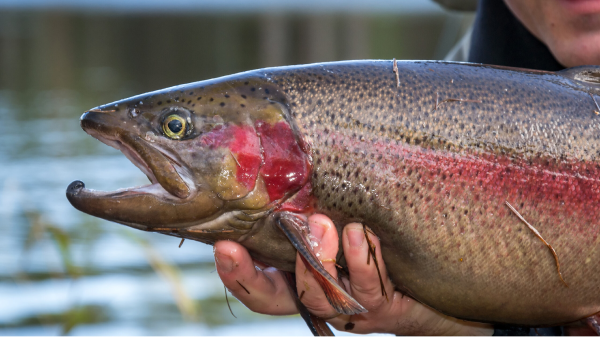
column 160, row 168
column 171, row 200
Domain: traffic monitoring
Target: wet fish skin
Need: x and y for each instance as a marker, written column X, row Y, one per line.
column 427, row 165
column 432, row 182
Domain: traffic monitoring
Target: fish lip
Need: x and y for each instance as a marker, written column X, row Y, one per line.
column 77, row 189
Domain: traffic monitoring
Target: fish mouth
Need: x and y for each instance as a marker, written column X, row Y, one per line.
column 154, row 187
column 170, row 200
column 168, row 179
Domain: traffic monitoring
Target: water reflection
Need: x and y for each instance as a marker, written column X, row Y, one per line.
column 62, row 271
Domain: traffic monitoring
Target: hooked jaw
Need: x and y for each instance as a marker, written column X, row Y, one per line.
column 168, row 199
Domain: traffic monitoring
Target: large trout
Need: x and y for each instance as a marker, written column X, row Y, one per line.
column 460, row 169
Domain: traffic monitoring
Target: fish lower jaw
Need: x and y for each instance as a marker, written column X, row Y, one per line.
column 155, row 190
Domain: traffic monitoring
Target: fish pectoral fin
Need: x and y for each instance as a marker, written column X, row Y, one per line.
column 316, row 324
column 295, row 228
column 337, row 297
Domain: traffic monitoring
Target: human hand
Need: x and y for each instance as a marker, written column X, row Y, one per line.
column 269, row 292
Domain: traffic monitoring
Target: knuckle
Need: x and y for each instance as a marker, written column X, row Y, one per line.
column 258, row 305
column 320, row 308
column 369, row 288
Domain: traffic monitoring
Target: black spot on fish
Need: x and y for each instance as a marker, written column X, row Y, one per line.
column 252, row 89
column 168, row 101
column 159, row 103
column 222, row 104
column 242, row 105
column 226, row 96
column 244, row 96
column 199, row 98
column 191, row 93
column 267, row 91
column 211, row 99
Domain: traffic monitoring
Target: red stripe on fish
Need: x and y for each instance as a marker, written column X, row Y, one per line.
column 563, row 190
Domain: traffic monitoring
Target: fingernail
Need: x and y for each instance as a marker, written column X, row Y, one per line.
column 317, row 230
column 224, row 262
column 355, row 237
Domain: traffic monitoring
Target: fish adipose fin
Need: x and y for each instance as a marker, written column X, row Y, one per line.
column 293, row 226
column 316, row 324
column 583, row 74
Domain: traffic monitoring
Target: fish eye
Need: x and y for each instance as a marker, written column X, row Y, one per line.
column 174, row 126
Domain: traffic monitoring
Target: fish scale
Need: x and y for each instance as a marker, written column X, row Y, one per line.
column 439, row 178
column 427, row 162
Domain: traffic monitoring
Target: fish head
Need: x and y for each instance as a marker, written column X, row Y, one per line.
column 218, row 154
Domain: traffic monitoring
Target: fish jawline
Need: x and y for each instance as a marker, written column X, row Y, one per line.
column 152, row 189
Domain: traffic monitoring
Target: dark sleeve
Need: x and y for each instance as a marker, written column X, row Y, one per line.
column 499, row 38
column 510, row 330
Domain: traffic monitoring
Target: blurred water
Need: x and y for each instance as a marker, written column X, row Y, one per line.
column 63, row 271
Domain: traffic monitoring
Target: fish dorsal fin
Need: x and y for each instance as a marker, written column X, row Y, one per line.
column 584, row 74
